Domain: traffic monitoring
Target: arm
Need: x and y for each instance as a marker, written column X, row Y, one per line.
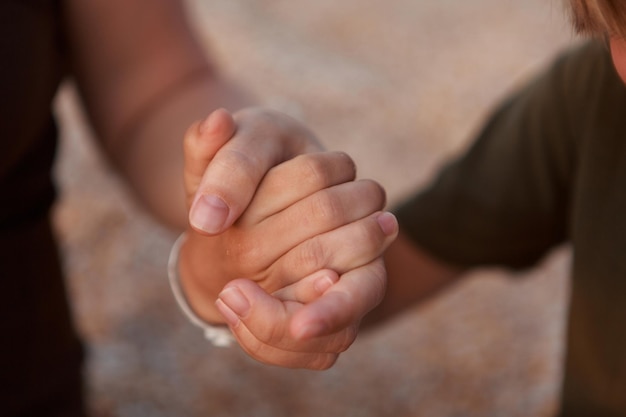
column 412, row 277
column 144, row 79
column 505, row 202
column 308, row 223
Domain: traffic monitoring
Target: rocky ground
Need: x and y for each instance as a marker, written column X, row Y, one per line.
column 401, row 86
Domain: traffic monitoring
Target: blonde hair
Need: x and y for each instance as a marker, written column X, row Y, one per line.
column 599, row 17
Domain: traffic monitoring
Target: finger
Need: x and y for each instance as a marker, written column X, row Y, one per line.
column 342, row 249
column 319, row 213
column 263, row 140
column 202, row 141
column 256, row 249
column 309, row 288
column 344, row 304
column 291, row 181
column 260, row 321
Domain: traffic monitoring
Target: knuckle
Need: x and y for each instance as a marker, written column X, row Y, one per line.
column 239, row 163
column 313, row 170
column 239, row 159
column 327, row 206
column 311, row 255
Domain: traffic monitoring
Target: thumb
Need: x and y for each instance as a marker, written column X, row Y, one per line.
column 202, row 141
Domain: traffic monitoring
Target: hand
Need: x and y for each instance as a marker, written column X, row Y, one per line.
column 278, row 330
column 308, row 208
column 272, row 242
column 217, row 193
column 225, row 160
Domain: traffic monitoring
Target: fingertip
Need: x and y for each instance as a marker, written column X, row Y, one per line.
column 325, row 279
column 388, row 223
column 218, row 122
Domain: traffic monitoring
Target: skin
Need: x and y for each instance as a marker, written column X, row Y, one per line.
column 413, row 275
column 309, row 318
column 145, row 81
column 126, row 56
column 618, row 52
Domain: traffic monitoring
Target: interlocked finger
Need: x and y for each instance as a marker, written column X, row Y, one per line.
column 261, row 324
column 317, row 214
column 340, row 250
column 344, row 304
column 296, row 179
column 309, row 288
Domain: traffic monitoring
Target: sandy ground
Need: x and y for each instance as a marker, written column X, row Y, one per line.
column 401, row 86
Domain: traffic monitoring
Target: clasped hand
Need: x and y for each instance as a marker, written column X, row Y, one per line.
column 284, row 245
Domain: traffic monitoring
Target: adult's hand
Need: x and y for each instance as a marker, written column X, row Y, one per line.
column 258, row 139
column 308, row 223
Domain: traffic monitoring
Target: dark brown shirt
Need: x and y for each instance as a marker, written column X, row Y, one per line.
column 40, row 360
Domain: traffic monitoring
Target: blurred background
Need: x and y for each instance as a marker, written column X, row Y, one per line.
column 401, row 86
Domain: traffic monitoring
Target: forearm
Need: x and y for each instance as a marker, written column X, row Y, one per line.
column 144, row 78
column 412, row 277
column 150, row 156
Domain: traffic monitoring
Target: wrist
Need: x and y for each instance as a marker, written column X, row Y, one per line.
column 193, row 283
column 218, row 334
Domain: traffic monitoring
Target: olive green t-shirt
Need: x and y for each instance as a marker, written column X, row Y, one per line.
column 548, row 168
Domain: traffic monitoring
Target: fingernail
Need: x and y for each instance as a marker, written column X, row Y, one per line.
column 207, row 124
column 229, row 315
column 209, row 213
column 388, row 223
column 234, row 299
column 323, row 283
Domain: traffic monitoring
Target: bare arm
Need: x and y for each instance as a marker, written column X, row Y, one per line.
column 412, row 277
column 144, row 79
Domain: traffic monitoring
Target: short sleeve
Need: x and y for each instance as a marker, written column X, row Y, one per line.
column 505, row 201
